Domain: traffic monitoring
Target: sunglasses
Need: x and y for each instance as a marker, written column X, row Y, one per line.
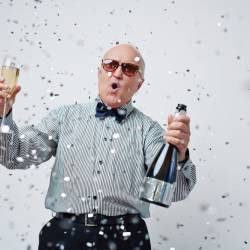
column 128, row 69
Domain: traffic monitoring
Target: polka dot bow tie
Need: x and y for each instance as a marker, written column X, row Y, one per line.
column 103, row 111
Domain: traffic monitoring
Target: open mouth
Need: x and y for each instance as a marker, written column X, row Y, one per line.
column 114, row 85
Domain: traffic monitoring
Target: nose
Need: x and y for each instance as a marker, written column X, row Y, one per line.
column 118, row 72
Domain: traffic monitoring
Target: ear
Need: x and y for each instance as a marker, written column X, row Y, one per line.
column 140, row 82
column 99, row 71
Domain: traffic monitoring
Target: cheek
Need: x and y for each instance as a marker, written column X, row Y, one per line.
column 102, row 79
column 129, row 90
column 132, row 88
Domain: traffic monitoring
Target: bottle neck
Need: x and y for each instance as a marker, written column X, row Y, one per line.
column 179, row 112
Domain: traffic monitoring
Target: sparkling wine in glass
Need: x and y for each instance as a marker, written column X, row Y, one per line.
column 10, row 73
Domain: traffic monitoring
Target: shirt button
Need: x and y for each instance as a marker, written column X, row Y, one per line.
column 94, row 197
column 100, row 162
column 98, row 171
column 105, row 139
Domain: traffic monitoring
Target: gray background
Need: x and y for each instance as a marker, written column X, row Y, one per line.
column 196, row 52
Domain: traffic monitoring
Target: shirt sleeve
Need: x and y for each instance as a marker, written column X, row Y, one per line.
column 185, row 181
column 153, row 142
column 186, row 174
column 30, row 145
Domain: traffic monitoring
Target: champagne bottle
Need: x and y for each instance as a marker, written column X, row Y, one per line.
column 159, row 183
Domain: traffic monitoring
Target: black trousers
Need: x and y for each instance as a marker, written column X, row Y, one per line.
column 67, row 233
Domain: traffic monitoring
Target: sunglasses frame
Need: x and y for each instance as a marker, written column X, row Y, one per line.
column 122, row 64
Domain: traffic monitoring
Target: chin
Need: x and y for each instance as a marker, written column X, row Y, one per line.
column 112, row 101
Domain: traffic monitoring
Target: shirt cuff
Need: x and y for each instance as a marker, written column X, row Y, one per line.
column 186, row 158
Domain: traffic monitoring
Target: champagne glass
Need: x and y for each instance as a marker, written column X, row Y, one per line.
column 10, row 72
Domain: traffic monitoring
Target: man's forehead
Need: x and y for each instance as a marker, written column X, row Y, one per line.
column 125, row 52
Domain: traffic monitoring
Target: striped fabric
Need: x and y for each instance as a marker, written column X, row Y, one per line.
column 99, row 163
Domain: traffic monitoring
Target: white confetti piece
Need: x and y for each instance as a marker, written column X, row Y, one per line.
column 83, row 198
column 20, row 159
column 137, row 59
column 63, row 195
column 22, row 136
column 66, row 178
column 126, row 234
column 121, row 112
column 116, row 135
column 33, row 151
column 69, row 209
column 89, row 244
column 5, row 129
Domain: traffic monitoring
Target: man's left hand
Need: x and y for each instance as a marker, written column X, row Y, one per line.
column 178, row 133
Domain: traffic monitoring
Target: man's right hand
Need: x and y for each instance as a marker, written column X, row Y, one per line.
column 11, row 96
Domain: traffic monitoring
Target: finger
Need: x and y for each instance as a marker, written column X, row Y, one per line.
column 179, row 126
column 3, row 86
column 170, row 119
column 16, row 90
column 1, row 79
column 182, row 118
column 177, row 134
column 1, row 103
column 179, row 141
column 4, row 94
column 11, row 102
column 180, row 144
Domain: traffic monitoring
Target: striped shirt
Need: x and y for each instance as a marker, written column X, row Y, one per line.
column 99, row 163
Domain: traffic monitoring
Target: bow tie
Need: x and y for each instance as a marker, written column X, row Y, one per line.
column 102, row 111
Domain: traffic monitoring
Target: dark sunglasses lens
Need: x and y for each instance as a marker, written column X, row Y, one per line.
column 129, row 69
column 110, row 65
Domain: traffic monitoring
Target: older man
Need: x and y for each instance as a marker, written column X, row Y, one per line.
column 102, row 150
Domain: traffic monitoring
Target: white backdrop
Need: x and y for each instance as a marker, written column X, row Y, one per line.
column 196, row 52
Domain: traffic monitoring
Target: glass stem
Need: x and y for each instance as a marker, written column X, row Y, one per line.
column 4, row 111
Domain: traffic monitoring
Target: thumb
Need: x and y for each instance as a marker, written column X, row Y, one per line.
column 170, row 119
column 16, row 91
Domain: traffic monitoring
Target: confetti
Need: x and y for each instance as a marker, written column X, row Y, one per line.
column 137, row 59
column 116, row 135
column 63, row 195
column 66, row 178
column 126, row 234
